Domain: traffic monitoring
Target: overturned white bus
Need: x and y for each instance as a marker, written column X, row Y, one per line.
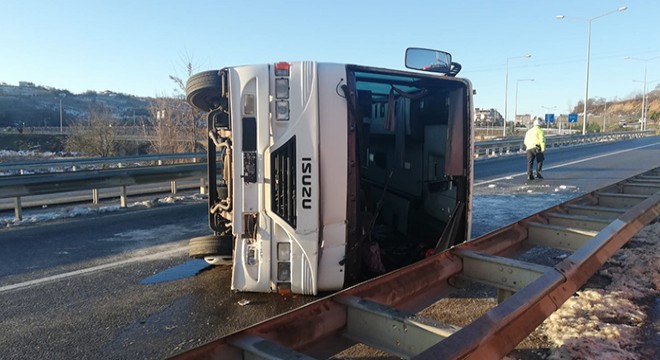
column 333, row 173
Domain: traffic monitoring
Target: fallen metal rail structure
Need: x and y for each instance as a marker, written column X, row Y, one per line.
column 381, row 313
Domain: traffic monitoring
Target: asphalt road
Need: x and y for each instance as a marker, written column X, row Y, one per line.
column 83, row 288
column 75, row 289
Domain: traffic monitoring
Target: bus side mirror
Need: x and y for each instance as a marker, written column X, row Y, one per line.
column 428, row 60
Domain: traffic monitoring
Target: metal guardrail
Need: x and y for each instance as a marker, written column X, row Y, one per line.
column 75, row 164
column 17, row 186
column 515, row 145
column 39, row 184
column 123, row 132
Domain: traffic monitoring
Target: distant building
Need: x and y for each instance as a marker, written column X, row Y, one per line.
column 523, row 119
column 108, row 93
column 483, row 117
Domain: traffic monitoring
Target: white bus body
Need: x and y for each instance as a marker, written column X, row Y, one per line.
column 333, row 173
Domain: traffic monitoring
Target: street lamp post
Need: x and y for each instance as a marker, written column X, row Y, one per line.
column 62, row 95
column 515, row 115
column 586, row 86
column 606, row 116
column 644, row 100
column 506, row 90
column 642, row 120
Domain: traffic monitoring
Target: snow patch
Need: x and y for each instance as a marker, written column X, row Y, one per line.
column 605, row 323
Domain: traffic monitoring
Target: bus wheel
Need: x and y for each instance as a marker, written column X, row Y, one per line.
column 204, row 90
column 214, row 249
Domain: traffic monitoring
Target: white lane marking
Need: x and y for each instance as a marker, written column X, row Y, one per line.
column 565, row 164
column 30, row 283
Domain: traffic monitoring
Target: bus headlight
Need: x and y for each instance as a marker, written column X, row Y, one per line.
column 282, row 110
column 283, row 251
column 251, row 256
column 283, row 271
column 282, row 88
column 248, row 104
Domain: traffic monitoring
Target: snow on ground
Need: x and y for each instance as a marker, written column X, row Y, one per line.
column 607, row 323
column 26, row 155
column 9, row 156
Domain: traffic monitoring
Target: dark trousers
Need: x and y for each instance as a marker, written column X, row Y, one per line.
column 534, row 153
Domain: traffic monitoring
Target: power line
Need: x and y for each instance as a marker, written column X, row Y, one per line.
column 566, row 60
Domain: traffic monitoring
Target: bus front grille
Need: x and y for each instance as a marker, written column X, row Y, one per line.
column 283, row 173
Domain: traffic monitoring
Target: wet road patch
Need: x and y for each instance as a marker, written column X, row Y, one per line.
column 185, row 270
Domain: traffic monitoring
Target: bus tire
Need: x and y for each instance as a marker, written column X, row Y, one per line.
column 204, row 90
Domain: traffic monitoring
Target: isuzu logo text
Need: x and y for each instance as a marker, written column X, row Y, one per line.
column 307, row 183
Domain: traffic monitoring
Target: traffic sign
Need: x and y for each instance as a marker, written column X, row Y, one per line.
column 550, row 118
column 572, row 118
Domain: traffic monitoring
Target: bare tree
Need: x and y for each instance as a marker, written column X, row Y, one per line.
column 175, row 126
column 168, row 127
column 96, row 136
column 195, row 128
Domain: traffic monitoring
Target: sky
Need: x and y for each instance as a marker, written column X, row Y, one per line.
column 133, row 47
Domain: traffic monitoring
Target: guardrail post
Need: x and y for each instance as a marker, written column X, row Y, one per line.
column 173, row 186
column 122, row 197
column 18, row 211
column 202, row 186
column 95, row 196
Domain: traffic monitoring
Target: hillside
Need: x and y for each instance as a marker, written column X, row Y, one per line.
column 30, row 105
column 626, row 108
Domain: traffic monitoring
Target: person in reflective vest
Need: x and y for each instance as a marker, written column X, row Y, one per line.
column 535, row 145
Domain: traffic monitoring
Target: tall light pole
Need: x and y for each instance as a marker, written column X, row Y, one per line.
column 515, row 115
column 506, row 89
column 62, row 95
column 586, row 86
column 642, row 120
column 646, row 61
